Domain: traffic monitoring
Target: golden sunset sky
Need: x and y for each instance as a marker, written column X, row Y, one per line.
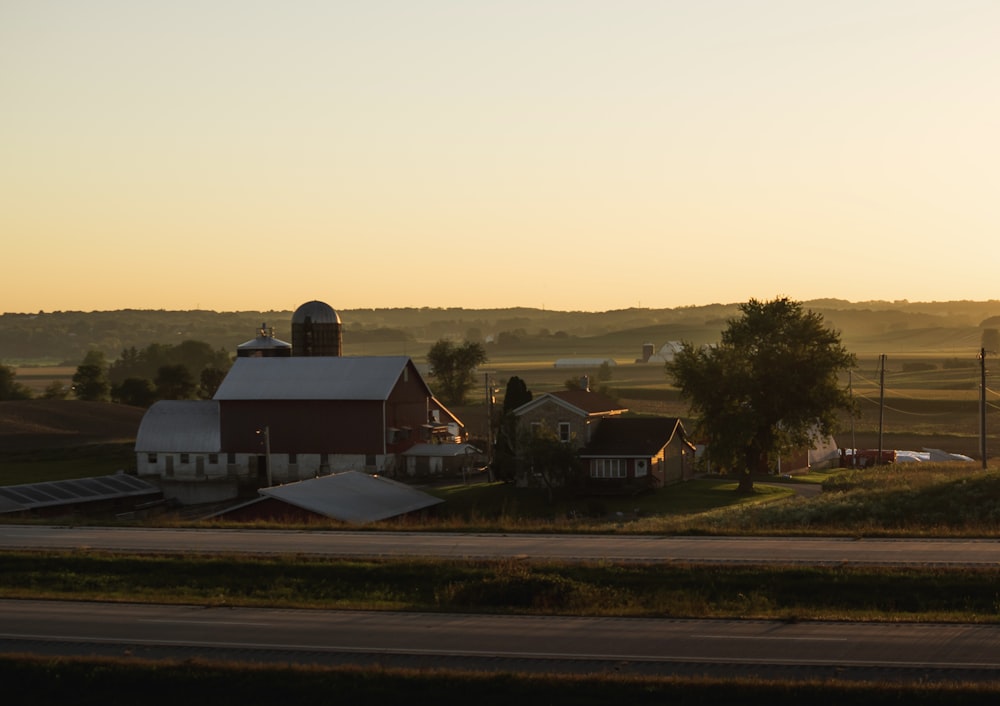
column 565, row 154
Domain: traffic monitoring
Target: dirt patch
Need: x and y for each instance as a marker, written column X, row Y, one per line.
column 27, row 425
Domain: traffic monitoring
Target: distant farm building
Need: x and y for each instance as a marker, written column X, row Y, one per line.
column 665, row 354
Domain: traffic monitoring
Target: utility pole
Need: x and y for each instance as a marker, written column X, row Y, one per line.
column 266, row 431
column 982, row 405
column 881, row 406
column 854, row 443
column 490, row 400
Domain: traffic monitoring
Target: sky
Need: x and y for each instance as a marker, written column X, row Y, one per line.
column 251, row 155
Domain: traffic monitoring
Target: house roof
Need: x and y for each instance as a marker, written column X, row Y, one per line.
column 180, row 426
column 314, row 378
column 352, row 497
column 582, row 402
column 634, row 436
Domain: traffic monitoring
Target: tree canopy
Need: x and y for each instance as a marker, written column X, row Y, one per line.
column 453, row 366
column 10, row 389
column 90, row 381
column 516, row 394
column 770, row 385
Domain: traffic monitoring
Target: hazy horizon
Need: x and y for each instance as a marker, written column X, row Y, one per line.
column 567, row 155
column 290, row 309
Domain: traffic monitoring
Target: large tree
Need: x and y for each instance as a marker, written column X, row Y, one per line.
column 175, row 382
column 770, row 385
column 90, row 381
column 505, row 452
column 551, row 461
column 453, row 367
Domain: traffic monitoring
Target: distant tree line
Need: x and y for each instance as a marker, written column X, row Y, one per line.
column 139, row 377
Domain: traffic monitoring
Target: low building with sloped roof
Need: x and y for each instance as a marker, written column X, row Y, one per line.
column 637, row 453
column 349, row 497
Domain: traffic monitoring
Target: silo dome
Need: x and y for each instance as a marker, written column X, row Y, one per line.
column 315, row 312
column 316, row 330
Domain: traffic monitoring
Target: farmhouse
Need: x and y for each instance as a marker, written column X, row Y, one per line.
column 619, row 453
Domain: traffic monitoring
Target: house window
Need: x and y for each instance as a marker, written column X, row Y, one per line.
column 151, row 458
column 564, row 432
column 608, row 468
column 185, row 458
column 641, row 468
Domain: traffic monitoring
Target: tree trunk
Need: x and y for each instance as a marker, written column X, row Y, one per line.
column 750, row 463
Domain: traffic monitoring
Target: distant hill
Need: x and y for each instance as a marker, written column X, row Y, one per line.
column 877, row 326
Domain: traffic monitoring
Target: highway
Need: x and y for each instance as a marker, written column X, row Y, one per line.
column 556, row 547
column 724, row 648
column 868, row 651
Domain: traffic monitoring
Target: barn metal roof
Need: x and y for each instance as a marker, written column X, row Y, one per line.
column 30, row 496
column 353, row 497
column 313, row 378
column 180, row 426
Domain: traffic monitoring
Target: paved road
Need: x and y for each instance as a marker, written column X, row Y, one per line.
column 756, row 550
column 874, row 651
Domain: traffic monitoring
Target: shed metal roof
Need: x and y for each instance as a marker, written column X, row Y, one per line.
column 313, row 378
column 30, row 496
column 180, row 426
column 441, row 450
column 353, row 497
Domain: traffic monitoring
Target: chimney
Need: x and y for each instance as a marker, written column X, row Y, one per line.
column 585, row 383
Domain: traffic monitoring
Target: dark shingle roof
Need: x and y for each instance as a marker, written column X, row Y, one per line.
column 633, row 436
column 582, row 402
column 590, row 402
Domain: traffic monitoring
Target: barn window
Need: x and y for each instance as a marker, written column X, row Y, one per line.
column 230, row 457
column 151, row 458
column 185, row 458
column 213, row 459
column 293, row 458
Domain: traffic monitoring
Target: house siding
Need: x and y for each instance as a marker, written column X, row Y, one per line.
column 550, row 414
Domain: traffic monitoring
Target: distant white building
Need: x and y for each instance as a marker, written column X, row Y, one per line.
column 589, row 363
